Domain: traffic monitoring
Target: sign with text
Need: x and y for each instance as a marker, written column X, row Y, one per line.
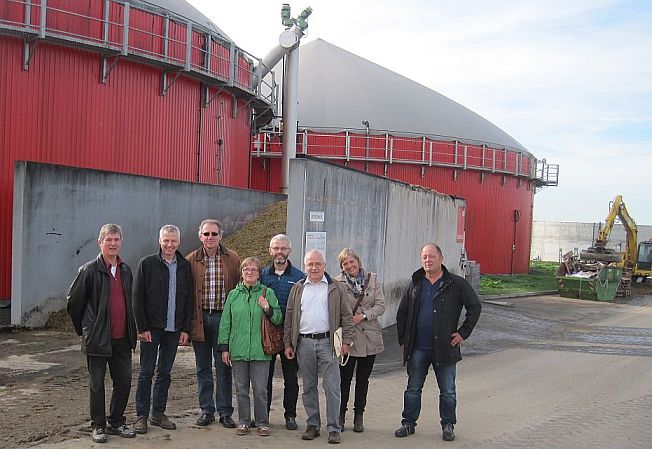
column 316, row 216
column 316, row 240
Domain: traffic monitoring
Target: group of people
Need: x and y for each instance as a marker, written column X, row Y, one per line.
column 216, row 302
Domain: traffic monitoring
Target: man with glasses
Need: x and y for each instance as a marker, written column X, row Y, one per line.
column 317, row 306
column 281, row 276
column 216, row 271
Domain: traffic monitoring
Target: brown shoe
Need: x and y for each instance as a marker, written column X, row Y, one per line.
column 163, row 422
column 242, row 429
column 141, row 425
column 311, row 433
column 334, row 437
column 263, row 431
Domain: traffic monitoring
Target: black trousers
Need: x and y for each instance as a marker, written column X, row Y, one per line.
column 290, row 383
column 362, row 367
column 120, row 369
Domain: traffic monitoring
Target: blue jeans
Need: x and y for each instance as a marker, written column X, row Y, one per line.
column 417, row 368
column 206, row 354
column 164, row 347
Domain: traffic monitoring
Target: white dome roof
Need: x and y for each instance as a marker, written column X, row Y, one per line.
column 338, row 89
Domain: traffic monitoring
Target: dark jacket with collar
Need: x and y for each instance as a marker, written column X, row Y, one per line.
column 150, row 293
column 88, row 307
column 455, row 293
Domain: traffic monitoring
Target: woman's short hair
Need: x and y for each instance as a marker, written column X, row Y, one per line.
column 250, row 260
column 348, row 252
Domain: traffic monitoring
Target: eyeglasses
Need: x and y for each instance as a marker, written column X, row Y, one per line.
column 250, row 270
column 279, row 248
column 206, row 234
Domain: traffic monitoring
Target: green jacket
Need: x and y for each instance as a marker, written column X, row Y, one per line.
column 240, row 325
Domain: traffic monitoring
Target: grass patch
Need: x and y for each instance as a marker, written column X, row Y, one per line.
column 540, row 278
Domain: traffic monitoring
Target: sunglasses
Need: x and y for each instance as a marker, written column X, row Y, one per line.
column 214, row 234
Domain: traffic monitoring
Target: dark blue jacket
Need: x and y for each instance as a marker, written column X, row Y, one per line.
column 281, row 284
column 455, row 293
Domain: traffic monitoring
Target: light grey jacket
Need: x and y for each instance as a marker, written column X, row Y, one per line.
column 339, row 313
column 368, row 335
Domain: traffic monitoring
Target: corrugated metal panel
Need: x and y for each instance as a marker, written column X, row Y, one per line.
column 58, row 112
column 266, row 174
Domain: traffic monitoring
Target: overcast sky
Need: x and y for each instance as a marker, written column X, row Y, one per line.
column 570, row 80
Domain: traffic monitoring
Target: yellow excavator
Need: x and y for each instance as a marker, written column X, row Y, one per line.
column 636, row 260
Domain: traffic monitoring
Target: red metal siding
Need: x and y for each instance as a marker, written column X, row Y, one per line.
column 58, row 112
column 489, row 213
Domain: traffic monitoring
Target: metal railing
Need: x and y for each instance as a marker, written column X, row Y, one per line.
column 426, row 151
column 116, row 29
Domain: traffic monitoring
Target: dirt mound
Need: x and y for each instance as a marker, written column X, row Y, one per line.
column 253, row 238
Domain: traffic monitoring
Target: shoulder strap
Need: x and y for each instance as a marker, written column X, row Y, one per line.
column 264, row 291
column 366, row 282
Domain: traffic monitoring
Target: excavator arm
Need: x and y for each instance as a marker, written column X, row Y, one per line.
column 599, row 250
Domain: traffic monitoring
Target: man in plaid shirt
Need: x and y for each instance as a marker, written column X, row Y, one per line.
column 216, row 271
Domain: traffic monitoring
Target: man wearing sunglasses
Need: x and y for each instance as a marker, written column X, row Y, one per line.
column 216, row 270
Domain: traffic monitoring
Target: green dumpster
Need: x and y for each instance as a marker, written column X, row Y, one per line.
column 602, row 287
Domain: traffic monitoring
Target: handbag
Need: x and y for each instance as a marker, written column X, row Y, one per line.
column 272, row 335
column 337, row 347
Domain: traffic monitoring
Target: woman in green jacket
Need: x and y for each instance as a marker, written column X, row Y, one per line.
column 240, row 339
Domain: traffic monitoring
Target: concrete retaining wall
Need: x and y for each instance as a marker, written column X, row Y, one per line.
column 551, row 239
column 59, row 210
column 385, row 222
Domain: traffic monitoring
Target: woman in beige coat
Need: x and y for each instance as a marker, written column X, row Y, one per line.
column 367, row 301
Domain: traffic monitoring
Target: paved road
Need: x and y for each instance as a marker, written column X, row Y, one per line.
column 542, row 372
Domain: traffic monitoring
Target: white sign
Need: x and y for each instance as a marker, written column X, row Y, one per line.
column 316, row 216
column 316, row 240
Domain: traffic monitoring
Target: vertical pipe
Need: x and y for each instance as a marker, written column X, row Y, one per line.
column 290, row 114
column 202, row 101
column 105, row 22
column 44, row 13
column 125, row 30
column 188, row 46
column 28, row 14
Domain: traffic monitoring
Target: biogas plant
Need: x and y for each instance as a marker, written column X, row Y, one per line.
column 155, row 88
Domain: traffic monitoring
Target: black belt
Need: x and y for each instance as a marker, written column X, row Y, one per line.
column 315, row 336
column 212, row 311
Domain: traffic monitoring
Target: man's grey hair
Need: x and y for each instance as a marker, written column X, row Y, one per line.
column 210, row 221
column 109, row 228
column 169, row 229
column 311, row 252
column 282, row 237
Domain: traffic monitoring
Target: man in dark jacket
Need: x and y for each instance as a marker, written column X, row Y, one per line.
column 162, row 300
column 100, row 310
column 427, row 324
column 281, row 276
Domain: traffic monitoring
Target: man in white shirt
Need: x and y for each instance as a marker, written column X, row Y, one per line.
column 316, row 307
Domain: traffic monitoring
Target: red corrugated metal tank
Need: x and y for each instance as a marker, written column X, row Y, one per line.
column 435, row 143
column 90, row 93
